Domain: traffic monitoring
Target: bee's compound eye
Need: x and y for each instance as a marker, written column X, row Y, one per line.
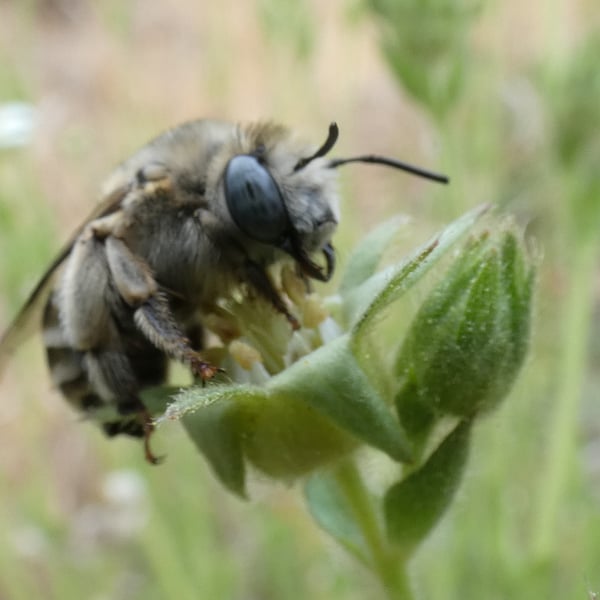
column 254, row 200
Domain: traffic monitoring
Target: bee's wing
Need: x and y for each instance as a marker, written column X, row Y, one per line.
column 29, row 319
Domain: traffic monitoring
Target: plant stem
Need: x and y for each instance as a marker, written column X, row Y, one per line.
column 562, row 432
column 388, row 566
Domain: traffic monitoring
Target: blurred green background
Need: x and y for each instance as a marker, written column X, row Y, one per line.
column 503, row 96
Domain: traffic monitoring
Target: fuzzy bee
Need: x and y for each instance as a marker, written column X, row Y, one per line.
column 198, row 211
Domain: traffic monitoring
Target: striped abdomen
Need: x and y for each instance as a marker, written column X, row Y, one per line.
column 70, row 374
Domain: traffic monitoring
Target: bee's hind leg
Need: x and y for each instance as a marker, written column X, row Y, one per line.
column 112, row 372
column 140, row 425
column 144, row 424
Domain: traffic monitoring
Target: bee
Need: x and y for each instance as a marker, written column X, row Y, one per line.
column 202, row 209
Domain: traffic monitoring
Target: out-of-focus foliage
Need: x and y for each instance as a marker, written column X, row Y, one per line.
column 289, row 23
column 573, row 91
column 428, row 46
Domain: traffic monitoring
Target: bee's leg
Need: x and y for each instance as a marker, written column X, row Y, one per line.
column 156, row 322
column 256, row 275
column 135, row 284
column 112, row 373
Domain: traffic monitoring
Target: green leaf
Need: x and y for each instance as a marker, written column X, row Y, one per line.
column 328, row 502
column 366, row 256
column 332, row 382
column 285, row 437
column 312, row 413
column 413, row 506
column 278, row 434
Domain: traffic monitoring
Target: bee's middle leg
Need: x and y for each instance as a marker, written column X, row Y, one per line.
column 156, row 322
column 153, row 317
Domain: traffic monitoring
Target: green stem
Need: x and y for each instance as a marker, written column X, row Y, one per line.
column 562, row 435
column 386, row 563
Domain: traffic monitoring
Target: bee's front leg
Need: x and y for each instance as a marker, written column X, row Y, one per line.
column 261, row 283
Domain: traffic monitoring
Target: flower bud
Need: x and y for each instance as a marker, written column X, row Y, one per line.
column 469, row 338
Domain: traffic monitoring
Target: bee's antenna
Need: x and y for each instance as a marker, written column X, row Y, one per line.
column 329, row 143
column 390, row 162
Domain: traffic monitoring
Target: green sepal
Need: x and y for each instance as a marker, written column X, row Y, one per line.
column 519, row 277
column 331, row 381
column 413, row 506
column 417, row 417
column 469, row 339
column 382, row 289
column 214, row 427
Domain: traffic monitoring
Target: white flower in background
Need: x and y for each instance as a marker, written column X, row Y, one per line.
column 17, row 123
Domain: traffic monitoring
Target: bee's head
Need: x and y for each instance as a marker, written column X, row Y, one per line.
column 280, row 197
